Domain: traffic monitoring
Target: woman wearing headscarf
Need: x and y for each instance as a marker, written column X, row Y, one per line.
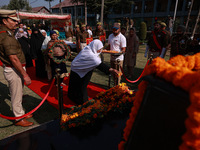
column 46, row 40
column 36, row 43
column 82, row 68
column 54, row 37
column 46, row 57
column 58, row 34
column 24, row 41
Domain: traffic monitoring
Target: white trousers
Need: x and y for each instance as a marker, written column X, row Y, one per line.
column 16, row 85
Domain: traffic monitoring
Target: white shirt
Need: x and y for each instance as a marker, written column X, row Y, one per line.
column 116, row 44
column 90, row 32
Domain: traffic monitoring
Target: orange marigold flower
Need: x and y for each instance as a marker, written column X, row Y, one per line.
column 121, row 145
column 95, row 115
column 191, row 62
column 178, row 61
column 183, row 146
column 197, row 61
column 181, row 71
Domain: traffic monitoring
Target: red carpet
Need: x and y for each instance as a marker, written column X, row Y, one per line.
column 41, row 86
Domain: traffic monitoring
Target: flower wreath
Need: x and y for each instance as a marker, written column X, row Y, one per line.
column 175, row 70
column 118, row 99
column 66, row 50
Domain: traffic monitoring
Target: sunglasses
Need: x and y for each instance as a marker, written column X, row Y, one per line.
column 13, row 20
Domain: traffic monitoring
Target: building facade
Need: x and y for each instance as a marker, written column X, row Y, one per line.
column 76, row 10
column 140, row 10
column 40, row 9
column 149, row 10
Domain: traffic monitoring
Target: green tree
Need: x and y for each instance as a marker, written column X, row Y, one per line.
column 28, row 7
column 4, row 7
column 18, row 5
column 143, row 31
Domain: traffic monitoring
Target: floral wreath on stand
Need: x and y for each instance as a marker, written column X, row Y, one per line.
column 116, row 100
column 66, row 49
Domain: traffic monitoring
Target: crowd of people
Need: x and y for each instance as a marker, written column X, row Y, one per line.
column 20, row 45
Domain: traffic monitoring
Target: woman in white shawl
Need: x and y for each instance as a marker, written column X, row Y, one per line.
column 81, row 71
column 46, row 58
column 46, row 40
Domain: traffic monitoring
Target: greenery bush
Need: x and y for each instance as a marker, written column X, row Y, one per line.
column 143, row 31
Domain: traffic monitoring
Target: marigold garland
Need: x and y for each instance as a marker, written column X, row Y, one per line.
column 182, row 72
column 67, row 52
column 116, row 99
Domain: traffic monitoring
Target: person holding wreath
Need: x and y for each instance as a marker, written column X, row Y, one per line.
column 59, row 53
column 82, row 68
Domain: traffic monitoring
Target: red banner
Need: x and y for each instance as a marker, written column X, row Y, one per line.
column 58, row 24
column 102, row 38
column 88, row 40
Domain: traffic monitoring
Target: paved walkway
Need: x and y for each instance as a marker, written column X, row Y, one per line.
column 44, row 114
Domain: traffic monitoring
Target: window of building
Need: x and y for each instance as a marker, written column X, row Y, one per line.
column 172, row 6
column 89, row 10
column 65, row 11
column 72, row 11
column 117, row 10
column 162, row 6
column 188, row 4
column 79, row 11
column 69, row 11
column 148, row 7
column 138, row 7
column 196, row 5
column 126, row 8
column 180, row 5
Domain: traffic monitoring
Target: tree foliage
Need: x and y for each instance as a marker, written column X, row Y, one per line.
column 4, row 7
column 143, row 31
column 19, row 5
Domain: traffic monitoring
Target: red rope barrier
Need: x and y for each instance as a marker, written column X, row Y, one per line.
column 32, row 111
column 139, row 76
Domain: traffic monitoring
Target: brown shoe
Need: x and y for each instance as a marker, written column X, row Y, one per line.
column 29, row 116
column 23, row 123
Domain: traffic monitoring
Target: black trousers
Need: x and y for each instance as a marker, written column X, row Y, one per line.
column 77, row 90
